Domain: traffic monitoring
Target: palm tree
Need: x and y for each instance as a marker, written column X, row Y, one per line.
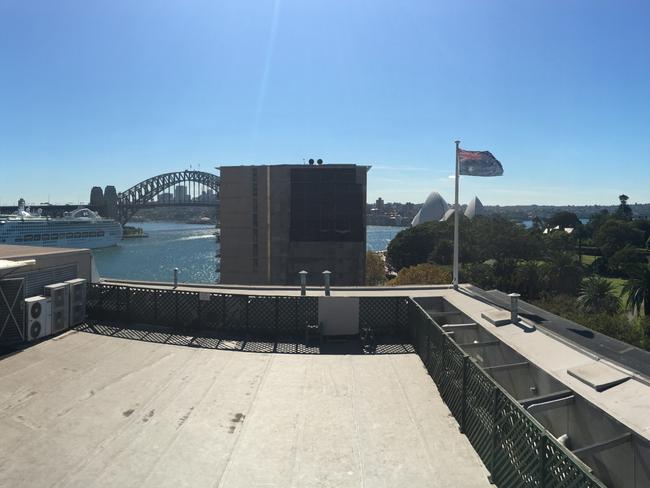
column 638, row 289
column 597, row 296
column 562, row 273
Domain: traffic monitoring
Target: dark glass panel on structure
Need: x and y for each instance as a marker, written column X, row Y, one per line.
column 326, row 205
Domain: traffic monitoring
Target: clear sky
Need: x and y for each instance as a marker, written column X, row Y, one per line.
column 112, row 92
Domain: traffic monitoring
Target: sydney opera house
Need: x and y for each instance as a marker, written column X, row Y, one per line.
column 435, row 209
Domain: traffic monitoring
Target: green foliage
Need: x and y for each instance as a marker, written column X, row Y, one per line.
column 619, row 326
column 595, row 222
column 414, row 245
column 625, row 258
column 623, row 212
column 482, row 238
column 637, row 289
column 563, row 219
column 600, row 266
column 375, row 269
column 422, row 274
column 523, row 277
column 479, row 274
column 558, row 242
column 597, row 296
column 614, row 235
column 562, row 274
column 443, row 252
column 643, row 225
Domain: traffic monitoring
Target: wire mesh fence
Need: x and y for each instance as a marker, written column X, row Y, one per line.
column 186, row 310
column 515, row 448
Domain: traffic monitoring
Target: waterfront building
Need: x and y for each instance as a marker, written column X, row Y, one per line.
column 277, row 220
column 474, row 208
column 433, row 210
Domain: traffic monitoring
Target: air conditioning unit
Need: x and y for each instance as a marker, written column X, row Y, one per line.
column 37, row 318
column 59, row 296
column 77, row 301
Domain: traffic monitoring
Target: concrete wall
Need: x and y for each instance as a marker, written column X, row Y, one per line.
column 48, row 258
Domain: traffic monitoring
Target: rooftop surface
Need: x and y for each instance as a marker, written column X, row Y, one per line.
column 543, row 344
column 87, row 410
column 8, row 251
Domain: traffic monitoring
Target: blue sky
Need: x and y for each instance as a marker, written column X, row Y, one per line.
column 112, row 92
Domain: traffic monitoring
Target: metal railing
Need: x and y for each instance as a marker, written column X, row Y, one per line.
column 196, row 310
column 516, row 449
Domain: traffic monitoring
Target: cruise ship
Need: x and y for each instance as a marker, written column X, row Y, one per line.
column 82, row 228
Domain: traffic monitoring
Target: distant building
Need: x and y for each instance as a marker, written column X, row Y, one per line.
column 208, row 196
column 278, row 220
column 165, row 197
column 448, row 215
column 379, row 204
column 180, row 194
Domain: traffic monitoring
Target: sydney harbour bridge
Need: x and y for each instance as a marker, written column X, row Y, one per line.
column 187, row 188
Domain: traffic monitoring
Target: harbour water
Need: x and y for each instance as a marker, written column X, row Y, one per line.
column 190, row 248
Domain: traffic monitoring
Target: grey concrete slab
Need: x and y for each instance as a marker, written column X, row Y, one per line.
column 88, row 411
column 598, row 375
column 497, row 317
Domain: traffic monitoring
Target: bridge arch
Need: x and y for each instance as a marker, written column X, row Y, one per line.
column 143, row 194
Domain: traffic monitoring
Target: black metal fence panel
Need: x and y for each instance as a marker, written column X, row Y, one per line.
column 515, row 448
column 193, row 310
column 386, row 316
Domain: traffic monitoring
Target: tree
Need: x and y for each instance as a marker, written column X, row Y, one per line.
column 375, row 269
column 564, row 220
column 644, row 226
column 414, row 245
column 538, row 224
column 443, row 253
column 623, row 212
column 595, row 222
column 558, row 241
column 637, row 289
column 422, row 274
column 597, row 296
column 625, row 258
column 479, row 274
column 614, row 235
column 482, row 238
column 526, row 279
column 562, row 274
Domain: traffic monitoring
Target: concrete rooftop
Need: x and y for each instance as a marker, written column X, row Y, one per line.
column 10, row 251
column 84, row 410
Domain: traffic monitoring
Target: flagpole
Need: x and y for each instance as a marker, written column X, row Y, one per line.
column 456, row 222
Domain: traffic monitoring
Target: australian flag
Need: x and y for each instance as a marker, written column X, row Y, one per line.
column 478, row 163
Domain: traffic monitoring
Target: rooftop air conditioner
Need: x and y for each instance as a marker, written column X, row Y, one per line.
column 59, row 295
column 77, row 301
column 37, row 318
